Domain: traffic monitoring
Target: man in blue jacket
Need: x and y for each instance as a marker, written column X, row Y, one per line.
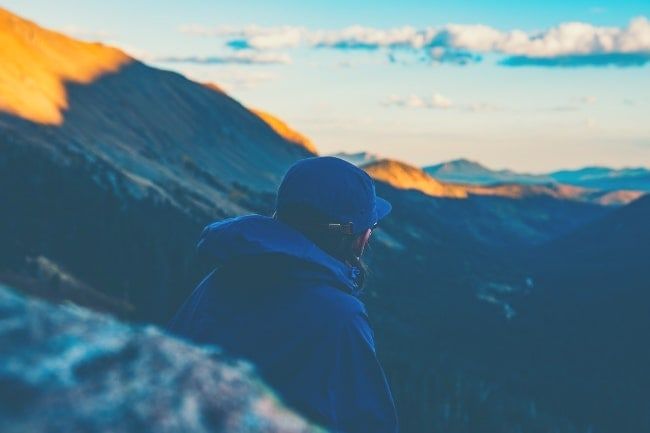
column 284, row 296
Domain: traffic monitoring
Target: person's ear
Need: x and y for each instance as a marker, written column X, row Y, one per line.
column 362, row 241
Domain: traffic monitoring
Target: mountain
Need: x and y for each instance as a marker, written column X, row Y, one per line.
column 106, row 206
column 621, row 239
column 106, row 376
column 358, row 158
column 445, row 290
column 496, row 215
column 627, row 181
column 38, row 63
column 108, row 164
column 286, row 132
column 95, row 100
column 403, row 176
column 471, row 172
column 558, row 191
column 589, row 311
column 605, row 178
column 573, row 315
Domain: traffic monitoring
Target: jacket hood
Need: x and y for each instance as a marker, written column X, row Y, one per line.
column 254, row 236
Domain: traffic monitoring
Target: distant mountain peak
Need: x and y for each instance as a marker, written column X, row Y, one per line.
column 471, row 172
column 461, row 165
column 628, row 181
column 359, row 158
column 464, row 162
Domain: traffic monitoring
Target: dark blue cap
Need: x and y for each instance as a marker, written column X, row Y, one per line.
column 338, row 189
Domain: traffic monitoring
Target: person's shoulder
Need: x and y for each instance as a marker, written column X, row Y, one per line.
column 351, row 328
column 333, row 300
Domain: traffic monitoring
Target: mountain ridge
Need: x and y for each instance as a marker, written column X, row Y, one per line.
column 595, row 177
column 468, row 171
column 286, row 131
column 141, row 119
column 47, row 61
column 404, row 176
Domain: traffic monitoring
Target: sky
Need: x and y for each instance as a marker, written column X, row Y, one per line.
column 532, row 86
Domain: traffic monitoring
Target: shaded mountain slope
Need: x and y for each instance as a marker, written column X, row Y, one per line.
column 104, row 376
column 621, row 241
column 437, row 332
column 497, row 215
column 573, row 346
column 160, row 126
column 589, row 311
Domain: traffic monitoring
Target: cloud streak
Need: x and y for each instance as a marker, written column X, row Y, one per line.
column 237, row 58
column 436, row 101
column 571, row 44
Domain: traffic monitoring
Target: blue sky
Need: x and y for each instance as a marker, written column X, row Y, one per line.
column 407, row 83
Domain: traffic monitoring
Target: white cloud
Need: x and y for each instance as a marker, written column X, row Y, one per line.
column 482, row 107
column 567, row 44
column 254, row 37
column 238, row 58
column 436, row 100
column 574, row 104
column 367, row 38
column 588, row 100
column 439, row 101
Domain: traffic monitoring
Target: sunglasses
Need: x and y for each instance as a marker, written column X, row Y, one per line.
column 347, row 228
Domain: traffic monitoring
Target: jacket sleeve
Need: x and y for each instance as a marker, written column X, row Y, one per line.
column 359, row 393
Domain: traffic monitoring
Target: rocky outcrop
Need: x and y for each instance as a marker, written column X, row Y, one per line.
column 66, row 369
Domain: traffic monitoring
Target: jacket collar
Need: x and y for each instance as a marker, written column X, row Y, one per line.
column 257, row 235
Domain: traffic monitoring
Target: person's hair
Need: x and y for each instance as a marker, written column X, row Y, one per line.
column 314, row 225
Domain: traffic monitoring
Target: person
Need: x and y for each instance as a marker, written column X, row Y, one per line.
column 284, row 295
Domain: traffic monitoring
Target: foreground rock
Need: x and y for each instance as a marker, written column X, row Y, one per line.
column 67, row 369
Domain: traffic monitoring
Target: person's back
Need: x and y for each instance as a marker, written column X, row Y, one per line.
column 281, row 302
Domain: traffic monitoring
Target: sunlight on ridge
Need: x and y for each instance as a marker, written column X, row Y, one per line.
column 37, row 63
column 404, row 176
column 284, row 130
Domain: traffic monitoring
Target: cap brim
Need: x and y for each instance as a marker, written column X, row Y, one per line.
column 383, row 208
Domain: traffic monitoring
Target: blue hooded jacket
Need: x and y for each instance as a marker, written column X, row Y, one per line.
column 279, row 301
